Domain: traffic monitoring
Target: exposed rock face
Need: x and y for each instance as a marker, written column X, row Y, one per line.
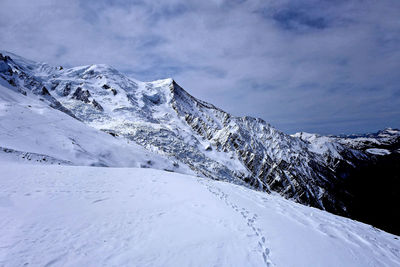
column 4, row 67
column 276, row 162
column 67, row 89
column 163, row 117
column 45, row 91
column 4, row 58
column 97, row 105
column 82, row 95
column 23, row 77
column 107, row 87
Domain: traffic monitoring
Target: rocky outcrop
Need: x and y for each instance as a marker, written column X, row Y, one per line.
column 82, row 95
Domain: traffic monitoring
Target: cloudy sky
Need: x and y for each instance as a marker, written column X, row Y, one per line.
column 319, row 66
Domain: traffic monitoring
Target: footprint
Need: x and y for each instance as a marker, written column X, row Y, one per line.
column 265, row 258
column 245, row 214
column 99, row 200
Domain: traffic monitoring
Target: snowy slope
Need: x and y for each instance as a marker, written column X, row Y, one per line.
column 94, row 216
column 33, row 132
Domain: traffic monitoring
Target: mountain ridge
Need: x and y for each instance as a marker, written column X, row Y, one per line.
column 164, row 118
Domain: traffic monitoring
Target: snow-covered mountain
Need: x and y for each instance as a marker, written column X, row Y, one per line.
column 164, row 118
column 383, row 142
column 155, row 204
column 31, row 131
column 187, row 134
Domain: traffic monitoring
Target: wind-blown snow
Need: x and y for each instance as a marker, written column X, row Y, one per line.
column 93, row 216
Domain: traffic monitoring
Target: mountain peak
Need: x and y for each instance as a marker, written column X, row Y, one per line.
column 163, row 117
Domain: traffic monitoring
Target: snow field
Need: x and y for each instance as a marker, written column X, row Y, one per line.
column 93, row 216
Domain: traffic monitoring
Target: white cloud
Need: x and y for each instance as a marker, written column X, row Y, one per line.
column 327, row 66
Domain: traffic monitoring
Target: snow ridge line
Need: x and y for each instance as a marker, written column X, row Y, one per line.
column 251, row 220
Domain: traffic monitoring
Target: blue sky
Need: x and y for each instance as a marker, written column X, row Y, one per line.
column 317, row 66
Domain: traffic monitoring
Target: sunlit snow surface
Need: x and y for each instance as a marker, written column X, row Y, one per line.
column 94, row 216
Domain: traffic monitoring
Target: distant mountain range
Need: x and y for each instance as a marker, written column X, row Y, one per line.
column 114, row 120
